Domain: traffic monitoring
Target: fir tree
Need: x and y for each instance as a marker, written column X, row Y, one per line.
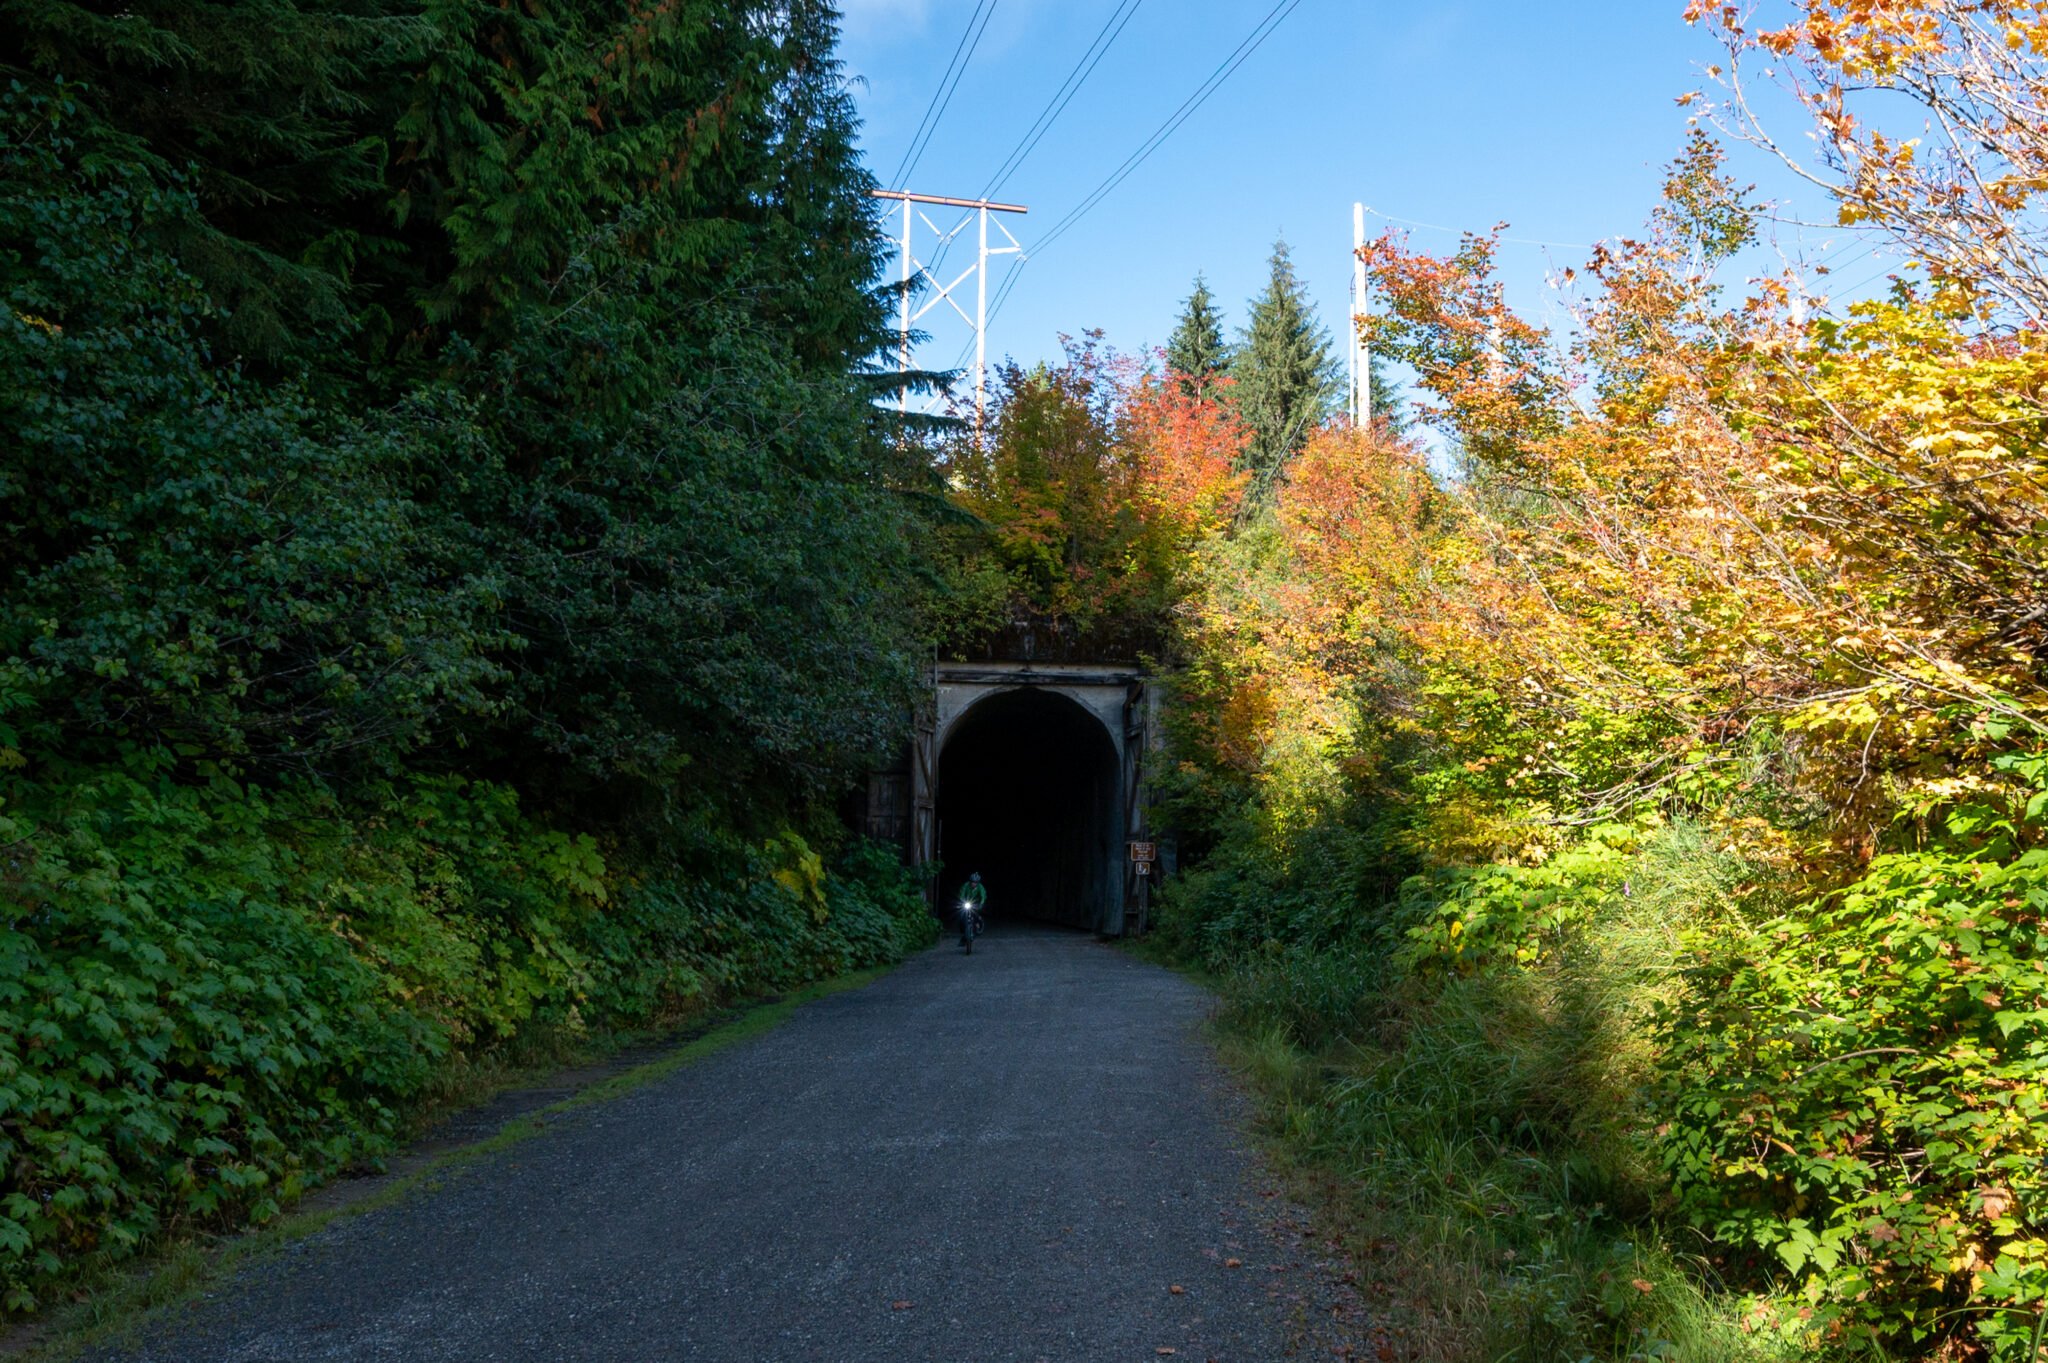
column 591, row 284
column 1197, row 353
column 274, row 114
column 1389, row 405
column 1287, row 375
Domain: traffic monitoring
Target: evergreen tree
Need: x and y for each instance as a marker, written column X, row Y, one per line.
column 273, row 114
column 1197, row 352
column 1389, row 406
column 577, row 293
column 1288, row 376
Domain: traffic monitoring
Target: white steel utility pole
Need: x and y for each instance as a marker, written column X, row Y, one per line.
column 903, row 362
column 978, row 212
column 1361, row 353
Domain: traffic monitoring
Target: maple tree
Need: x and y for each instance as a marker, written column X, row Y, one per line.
column 1959, row 190
column 1734, row 606
column 1098, row 481
column 1781, row 574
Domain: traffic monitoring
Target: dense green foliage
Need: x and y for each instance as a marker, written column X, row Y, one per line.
column 1893, row 1039
column 193, row 558
column 656, row 564
column 223, row 993
column 449, row 568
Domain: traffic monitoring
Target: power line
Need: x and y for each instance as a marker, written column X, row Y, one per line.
column 927, row 126
column 1084, row 67
column 1003, row 293
column 1893, row 268
column 1835, row 267
column 1224, row 70
column 1090, row 58
column 932, row 103
column 917, row 152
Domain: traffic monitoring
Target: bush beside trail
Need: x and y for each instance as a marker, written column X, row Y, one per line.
column 1610, row 1108
column 451, row 570
column 212, row 998
column 1622, row 821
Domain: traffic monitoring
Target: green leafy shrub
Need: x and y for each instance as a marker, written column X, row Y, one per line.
column 1289, row 872
column 1503, row 915
column 880, row 904
column 212, row 996
column 179, row 1039
column 1857, row 1092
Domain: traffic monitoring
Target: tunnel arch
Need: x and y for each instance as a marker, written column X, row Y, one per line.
column 1030, row 794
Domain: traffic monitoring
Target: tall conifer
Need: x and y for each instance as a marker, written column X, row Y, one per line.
column 1197, row 352
column 602, row 277
column 274, row 114
column 1287, row 374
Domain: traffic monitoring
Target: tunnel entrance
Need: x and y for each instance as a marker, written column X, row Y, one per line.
column 1029, row 795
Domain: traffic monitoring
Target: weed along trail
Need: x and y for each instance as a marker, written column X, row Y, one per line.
column 1025, row 1154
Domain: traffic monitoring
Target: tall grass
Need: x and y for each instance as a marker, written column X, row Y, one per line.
column 1486, row 1130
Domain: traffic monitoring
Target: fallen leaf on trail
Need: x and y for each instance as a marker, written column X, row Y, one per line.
column 1163, row 1349
column 1233, row 1263
column 1176, row 1289
column 899, row 1306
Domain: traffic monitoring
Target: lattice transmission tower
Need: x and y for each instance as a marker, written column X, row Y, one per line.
column 979, row 213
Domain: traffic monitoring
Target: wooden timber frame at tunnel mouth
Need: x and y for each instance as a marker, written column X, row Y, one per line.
column 1034, row 774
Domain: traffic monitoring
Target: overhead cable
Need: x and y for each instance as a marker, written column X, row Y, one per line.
column 1084, row 66
column 1063, row 96
column 1224, row 70
column 933, row 103
column 1459, row 232
column 949, row 81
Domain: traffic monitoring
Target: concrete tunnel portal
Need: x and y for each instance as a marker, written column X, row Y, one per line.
column 1030, row 794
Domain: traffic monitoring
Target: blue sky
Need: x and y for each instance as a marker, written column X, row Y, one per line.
column 1556, row 117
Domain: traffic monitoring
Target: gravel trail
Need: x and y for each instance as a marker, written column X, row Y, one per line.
column 1011, row 1156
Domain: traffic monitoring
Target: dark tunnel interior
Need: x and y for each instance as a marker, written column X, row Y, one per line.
column 1028, row 796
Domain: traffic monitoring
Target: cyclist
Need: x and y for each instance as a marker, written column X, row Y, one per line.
column 972, row 896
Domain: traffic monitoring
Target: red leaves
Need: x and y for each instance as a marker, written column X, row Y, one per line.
column 1186, row 451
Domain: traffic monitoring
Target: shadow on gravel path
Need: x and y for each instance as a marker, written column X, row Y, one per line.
column 1016, row 1155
